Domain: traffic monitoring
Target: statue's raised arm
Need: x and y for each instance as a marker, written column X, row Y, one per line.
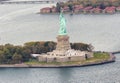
column 62, row 30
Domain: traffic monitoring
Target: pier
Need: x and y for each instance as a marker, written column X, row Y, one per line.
column 116, row 52
column 25, row 2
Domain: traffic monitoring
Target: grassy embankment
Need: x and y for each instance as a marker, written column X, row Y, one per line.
column 98, row 57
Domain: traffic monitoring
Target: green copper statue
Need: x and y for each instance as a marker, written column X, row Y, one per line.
column 62, row 30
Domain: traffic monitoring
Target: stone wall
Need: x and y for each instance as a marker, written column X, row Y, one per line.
column 89, row 54
column 55, row 56
column 60, row 58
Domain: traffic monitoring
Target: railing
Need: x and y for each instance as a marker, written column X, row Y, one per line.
column 113, row 52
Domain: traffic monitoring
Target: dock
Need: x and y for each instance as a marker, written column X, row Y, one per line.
column 115, row 52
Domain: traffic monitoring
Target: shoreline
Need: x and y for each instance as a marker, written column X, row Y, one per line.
column 110, row 60
column 78, row 13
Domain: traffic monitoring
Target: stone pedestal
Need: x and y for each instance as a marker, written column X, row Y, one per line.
column 63, row 43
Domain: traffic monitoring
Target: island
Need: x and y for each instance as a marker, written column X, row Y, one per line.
column 84, row 7
column 53, row 54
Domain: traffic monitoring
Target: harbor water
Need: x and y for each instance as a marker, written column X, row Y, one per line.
column 22, row 23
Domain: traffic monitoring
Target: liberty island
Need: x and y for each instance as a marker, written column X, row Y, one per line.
column 63, row 55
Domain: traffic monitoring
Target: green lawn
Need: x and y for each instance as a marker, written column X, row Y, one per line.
column 100, row 55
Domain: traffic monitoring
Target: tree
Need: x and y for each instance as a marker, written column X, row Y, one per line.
column 58, row 7
column 90, row 47
column 81, row 46
column 7, row 53
column 50, row 45
column 26, row 54
column 17, row 58
column 71, row 7
column 102, row 6
column 2, row 57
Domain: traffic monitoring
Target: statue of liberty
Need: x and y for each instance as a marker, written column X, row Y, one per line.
column 62, row 30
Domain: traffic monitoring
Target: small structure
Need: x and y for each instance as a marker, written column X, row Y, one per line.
column 96, row 10
column 78, row 8
column 45, row 10
column 66, row 9
column 63, row 51
column 35, row 55
column 118, row 9
column 109, row 10
column 87, row 9
column 53, row 10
